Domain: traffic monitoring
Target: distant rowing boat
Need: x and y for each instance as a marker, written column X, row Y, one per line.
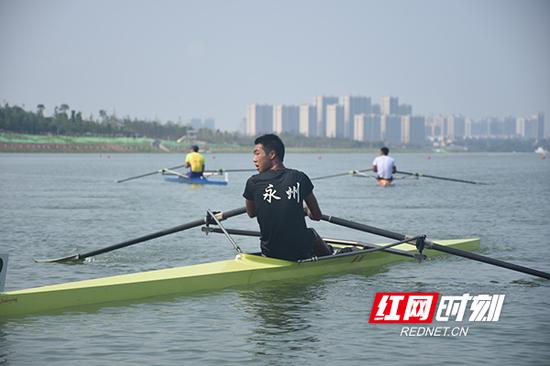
column 207, row 179
column 244, row 270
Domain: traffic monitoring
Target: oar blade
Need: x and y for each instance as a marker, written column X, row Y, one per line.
column 75, row 258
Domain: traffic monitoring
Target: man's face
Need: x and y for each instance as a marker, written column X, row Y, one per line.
column 261, row 160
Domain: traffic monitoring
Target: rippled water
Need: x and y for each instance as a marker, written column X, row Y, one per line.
column 54, row 205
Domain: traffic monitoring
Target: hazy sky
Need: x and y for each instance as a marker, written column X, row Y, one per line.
column 210, row 58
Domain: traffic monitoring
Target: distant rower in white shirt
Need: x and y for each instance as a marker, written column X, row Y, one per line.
column 384, row 166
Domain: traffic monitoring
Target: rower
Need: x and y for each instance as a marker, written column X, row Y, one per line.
column 276, row 197
column 384, row 166
column 195, row 162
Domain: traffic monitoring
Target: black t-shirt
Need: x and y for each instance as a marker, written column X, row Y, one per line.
column 278, row 196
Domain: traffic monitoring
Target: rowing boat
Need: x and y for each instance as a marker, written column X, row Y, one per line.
column 207, row 179
column 203, row 180
column 244, row 270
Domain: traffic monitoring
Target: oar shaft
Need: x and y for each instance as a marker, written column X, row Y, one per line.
column 230, row 171
column 158, row 234
column 440, row 178
column 488, row 260
column 351, row 172
column 431, row 245
column 147, row 174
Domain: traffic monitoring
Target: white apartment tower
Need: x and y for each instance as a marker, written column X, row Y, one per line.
column 335, row 121
column 307, row 124
column 456, row 126
column 321, row 104
column 389, row 105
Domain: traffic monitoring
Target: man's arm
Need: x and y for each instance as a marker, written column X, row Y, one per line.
column 312, row 207
column 250, row 208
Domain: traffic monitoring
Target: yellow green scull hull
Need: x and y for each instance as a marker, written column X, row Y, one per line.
column 245, row 269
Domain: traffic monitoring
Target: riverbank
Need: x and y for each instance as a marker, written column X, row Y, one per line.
column 25, row 143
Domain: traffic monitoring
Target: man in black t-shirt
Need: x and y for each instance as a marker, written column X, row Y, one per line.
column 276, row 197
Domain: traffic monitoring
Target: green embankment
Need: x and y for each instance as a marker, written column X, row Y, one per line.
column 11, row 142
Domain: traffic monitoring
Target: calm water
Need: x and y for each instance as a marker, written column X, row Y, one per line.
column 54, row 205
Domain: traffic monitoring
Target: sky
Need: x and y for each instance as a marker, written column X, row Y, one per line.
column 176, row 60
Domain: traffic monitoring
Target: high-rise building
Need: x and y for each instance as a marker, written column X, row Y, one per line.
column 527, row 127
column 285, row 119
column 389, row 105
column 335, row 121
column 367, row 127
column 413, row 130
column 210, row 123
column 259, row 119
column 308, row 120
column 405, row 109
column 354, row 105
column 456, row 126
column 321, row 104
column 391, row 128
column 509, row 127
column 540, row 126
column 480, row 129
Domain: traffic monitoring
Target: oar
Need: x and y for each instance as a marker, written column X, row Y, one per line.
column 431, row 245
column 367, row 248
column 147, row 174
column 221, row 171
column 78, row 257
column 350, row 172
column 440, row 178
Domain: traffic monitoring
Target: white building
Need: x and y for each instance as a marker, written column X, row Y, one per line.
column 321, row 104
column 308, row 120
column 389, row 105
column 335, row 121
column 456, row 126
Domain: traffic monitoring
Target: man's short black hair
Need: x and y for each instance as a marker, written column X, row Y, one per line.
column 385, row 150
column 272, row 142
column 195, row 148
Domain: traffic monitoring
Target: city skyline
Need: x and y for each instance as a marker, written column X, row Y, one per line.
column 357, row 117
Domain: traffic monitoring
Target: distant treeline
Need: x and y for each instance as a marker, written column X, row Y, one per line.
column 65, row 121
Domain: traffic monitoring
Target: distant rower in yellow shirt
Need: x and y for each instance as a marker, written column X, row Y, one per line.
column 195, row 162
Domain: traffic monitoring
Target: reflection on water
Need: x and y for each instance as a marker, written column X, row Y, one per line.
column 283, row 314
